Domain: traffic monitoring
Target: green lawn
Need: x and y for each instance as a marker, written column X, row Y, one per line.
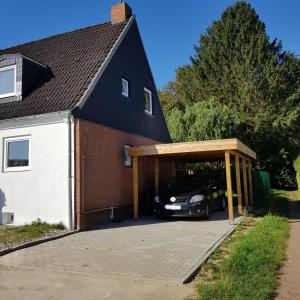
column 14, row 235
column 296, row 195
column 246, row 265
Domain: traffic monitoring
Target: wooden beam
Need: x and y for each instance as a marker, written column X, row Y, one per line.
column 156, row 175
column 241, row 155
column 192, row 147
column 238, row 184
column 135, row 187
column 246, row 196
column 250, row 182
column 229, row 186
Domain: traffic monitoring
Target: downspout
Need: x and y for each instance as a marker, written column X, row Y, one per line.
column 71, row 170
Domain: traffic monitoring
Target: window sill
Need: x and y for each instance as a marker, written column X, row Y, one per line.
column 8, row 95
column 149, row 113
column 17, row 169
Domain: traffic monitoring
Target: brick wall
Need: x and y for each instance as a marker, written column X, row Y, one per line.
column 101, row 178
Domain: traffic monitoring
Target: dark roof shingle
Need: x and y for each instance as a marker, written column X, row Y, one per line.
column 74, row 59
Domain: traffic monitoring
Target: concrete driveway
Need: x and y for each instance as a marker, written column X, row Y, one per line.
column 151, row 254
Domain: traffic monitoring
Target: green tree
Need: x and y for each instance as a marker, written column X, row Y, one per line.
column 204, row 121
column 237, row 64
column 179, row 93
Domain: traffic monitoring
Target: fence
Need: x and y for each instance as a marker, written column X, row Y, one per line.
column 261, row 183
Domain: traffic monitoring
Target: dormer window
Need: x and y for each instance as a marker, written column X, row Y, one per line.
column 8, row 81
column 19, row 75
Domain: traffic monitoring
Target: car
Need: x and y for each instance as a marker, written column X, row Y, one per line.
column 190, row 196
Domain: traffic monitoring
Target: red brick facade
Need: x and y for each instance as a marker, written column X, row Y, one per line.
column 101, row 179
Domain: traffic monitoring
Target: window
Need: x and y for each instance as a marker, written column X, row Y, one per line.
column 148, row 101
column 125, row 87
column 17, row 154
column 127, row 158
column 7, row 81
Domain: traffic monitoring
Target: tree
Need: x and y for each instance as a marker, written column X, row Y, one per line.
column 204, row 121
column 236, row 64
column 179, row 93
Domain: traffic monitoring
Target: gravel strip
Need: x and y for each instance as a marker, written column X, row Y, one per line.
column 51, row 233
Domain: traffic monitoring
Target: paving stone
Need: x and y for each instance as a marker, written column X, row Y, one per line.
column 147, row 248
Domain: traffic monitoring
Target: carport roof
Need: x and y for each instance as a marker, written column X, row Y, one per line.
column 200, row 150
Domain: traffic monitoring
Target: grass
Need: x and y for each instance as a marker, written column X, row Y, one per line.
column 296, row 195
column 246, row 265
column 275, row 203
column 10, row 236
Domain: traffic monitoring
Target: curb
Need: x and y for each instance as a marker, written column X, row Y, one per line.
column 190, row 274
column 37, row 242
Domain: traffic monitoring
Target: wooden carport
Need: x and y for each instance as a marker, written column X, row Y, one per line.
column 201, row 151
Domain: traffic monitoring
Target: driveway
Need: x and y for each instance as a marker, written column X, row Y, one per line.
column 147, row 258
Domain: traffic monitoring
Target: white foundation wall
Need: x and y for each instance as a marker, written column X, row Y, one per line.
column 43, row 191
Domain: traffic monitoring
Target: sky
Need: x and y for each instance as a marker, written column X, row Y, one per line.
column 169, row 28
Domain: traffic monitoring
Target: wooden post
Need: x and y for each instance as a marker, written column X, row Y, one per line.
column 245, row 183
column 229, row 186
column 135, row 187
column 238, row 184
column 250, row 182
column 156, row 175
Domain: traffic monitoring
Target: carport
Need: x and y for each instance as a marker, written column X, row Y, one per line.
column 231, row 151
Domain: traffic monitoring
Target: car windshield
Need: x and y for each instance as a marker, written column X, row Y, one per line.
column 188, row 182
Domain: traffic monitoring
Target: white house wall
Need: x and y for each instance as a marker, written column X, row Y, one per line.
column 43, row 191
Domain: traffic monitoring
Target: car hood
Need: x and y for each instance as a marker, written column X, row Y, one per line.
column 180, row 194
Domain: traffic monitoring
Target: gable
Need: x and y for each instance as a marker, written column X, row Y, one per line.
column 106, row 105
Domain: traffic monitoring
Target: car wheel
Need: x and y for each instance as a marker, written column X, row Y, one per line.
column 207, row 211
column 223, row 204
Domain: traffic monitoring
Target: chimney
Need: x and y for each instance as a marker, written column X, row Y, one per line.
column 120, row 12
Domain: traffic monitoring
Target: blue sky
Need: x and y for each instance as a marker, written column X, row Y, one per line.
column 169, row 28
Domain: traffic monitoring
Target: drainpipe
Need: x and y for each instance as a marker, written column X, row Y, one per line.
column 71, row 170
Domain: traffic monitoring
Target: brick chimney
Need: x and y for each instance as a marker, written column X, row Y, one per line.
column 120, row 12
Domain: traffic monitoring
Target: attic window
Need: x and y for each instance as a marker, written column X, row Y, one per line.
column 125, row 87
column 8, row 81
column 148, row 101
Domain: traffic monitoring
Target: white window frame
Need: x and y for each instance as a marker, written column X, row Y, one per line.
column 5, row 152
column 126, row 94
column 15, row 82
column 150, row 112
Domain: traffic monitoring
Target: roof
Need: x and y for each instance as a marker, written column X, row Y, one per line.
column 74, row 59
column 212, row 150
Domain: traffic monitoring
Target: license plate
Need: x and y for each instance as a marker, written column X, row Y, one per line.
column 173, row 207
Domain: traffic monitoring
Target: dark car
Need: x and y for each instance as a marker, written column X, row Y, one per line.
column 187, row 196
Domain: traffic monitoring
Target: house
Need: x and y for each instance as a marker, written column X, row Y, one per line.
column 71, row 106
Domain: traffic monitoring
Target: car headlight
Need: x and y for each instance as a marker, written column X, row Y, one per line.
column 156, row 199
column 197, row 198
